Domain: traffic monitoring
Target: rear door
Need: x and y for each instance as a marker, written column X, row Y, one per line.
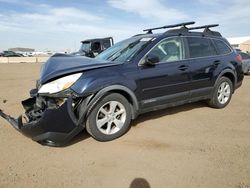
column 167, row 81
column 203, row 61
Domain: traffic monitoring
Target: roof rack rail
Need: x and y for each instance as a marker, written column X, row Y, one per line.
column 207, row 29
column 184, row 24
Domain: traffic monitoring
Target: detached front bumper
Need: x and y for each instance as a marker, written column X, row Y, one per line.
column 53, row 126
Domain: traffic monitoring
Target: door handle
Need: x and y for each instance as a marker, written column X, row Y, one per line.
column 217, row 62
column 183, row 67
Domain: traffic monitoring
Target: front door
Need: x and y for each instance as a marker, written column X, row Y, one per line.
column 167, row 81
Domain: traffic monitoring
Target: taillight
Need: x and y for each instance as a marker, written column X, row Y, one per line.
column 238, row 58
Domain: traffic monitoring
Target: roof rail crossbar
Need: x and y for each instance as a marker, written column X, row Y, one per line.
column 206, row 27
column 184, row 24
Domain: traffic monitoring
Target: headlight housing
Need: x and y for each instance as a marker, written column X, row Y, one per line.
column 60, row 84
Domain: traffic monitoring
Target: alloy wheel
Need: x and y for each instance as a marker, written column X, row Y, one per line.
column 111, row 117
column 224, row 93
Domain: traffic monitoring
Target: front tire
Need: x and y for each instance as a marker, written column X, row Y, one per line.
column 110, row 118
column 222, row 93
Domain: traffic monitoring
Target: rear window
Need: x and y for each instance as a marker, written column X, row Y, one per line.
column 222, row 47
column 200, row 47
column 106, row 43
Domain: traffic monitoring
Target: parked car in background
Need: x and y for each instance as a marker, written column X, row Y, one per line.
column 93, row 47
column 245, row 62
column 11, row 54
column 143, row 73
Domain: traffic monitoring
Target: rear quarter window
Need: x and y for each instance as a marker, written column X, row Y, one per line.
column 222, row 47
column 200, row 47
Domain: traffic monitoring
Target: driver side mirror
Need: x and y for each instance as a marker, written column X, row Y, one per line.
column 151, row 60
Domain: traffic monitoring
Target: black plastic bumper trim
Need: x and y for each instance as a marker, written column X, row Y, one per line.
column 55, row 128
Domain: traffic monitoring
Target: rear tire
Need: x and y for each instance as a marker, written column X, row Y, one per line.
column 110, row 118
column 222, row 93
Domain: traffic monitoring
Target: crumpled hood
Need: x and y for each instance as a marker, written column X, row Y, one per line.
column 63, row 64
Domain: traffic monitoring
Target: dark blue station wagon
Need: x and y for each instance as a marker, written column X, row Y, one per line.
column 144, row 73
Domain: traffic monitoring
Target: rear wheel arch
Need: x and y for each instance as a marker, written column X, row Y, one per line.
column 228, row 73
column 231, row 77
column 222, row 93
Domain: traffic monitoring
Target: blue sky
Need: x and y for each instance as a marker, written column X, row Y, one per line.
column 61, row 25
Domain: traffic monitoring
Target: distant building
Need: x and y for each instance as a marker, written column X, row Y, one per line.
column 19, row 49
column 242, row 43
column 245, row 46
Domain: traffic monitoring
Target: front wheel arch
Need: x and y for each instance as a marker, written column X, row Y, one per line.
column 126, row 92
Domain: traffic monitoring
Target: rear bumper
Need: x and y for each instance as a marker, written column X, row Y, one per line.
column 55, row 127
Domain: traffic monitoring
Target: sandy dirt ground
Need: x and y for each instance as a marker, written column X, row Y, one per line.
column 188, row 146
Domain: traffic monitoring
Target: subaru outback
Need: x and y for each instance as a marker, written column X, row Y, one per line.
column 146, row 72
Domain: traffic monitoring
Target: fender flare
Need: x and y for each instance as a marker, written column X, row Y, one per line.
column 93, row 99
column 227, row 71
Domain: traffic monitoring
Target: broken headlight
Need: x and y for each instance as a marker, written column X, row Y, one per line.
column 60, row 84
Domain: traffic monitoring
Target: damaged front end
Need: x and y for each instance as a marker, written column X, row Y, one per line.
column 51, row 120
column 55, row 113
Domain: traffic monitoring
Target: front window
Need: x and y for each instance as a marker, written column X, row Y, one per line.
column 85, row 47
column 170, row 49
column 124, row 50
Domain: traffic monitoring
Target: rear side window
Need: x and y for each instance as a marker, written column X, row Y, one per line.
column 200, row 47
column 106, row 43
column 222, row 47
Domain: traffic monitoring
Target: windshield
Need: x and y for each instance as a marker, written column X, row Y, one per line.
column 85, row 47
column 124, row 50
